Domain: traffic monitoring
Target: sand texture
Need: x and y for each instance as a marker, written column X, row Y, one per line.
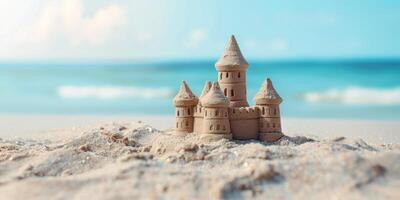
column 136, row 161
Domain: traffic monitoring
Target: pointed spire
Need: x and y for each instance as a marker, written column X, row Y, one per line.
column 185, row 96
column 232, row 56
column 232, row 44
column 215, row 97
column 206, row 88
column 267, row 94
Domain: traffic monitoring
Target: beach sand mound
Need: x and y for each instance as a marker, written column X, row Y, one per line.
column 136, row 161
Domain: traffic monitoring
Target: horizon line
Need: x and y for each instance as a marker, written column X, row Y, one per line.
column 186, row 60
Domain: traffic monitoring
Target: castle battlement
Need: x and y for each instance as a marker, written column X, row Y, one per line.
column 222, row 111
column 244, row 113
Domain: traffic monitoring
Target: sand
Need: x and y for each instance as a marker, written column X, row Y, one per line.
column 15, row 126
column 133, row 160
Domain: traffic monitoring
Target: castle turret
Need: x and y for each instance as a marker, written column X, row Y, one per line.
column 206, row 88
column 184, row 103
column 268, row 100
column 231, row 69
column 216, row 121
column 198, row 111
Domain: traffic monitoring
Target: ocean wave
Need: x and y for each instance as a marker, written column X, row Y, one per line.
column 112, row 92
column 356, row 96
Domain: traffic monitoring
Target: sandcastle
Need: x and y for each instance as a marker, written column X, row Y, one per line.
column 222, row 110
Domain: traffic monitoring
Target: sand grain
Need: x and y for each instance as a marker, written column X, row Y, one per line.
column 136, row 161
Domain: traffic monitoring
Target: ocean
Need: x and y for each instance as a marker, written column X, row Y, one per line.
column 360, row 89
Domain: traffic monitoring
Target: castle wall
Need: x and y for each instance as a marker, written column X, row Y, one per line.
column 270, row 125
column 231, row 76
column 270, row 121
column 244, row 122
column 184, row 119
column 234, row 91
column 216, row 121
column 233, row 84
column 198, row 125
column 269, row 110
column 198, row 119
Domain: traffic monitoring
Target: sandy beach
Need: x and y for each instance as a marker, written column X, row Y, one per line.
column 138, row 157
column 187, row 100
column 51, row 126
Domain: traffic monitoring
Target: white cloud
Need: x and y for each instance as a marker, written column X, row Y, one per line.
column 100, row 27
column 65, row 20
column 197, row 36
column 47, row 29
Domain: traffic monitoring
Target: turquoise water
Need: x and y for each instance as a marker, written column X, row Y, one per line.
column 334, row 89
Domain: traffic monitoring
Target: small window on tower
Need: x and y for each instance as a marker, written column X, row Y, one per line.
column 216, row 113
column 177, row 113
column 177, row 124
column 239, row 75
column 188, row 111
column 220, row 76
column 225, row 92
column 187, row 123
column 211, row 127
column 263, row 111
column 227, row 75
column 232, row 93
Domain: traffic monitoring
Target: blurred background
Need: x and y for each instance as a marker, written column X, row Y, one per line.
column 327, row 59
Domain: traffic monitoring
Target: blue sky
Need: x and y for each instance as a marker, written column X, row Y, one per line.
column 177, row 29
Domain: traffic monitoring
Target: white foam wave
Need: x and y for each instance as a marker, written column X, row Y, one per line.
column 356, row 96
column 109, row 92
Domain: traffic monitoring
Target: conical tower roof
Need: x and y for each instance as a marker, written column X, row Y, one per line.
column 185, row 96
column 267, row 94
column 232, row 57
column 206, row 89
column 215, row 97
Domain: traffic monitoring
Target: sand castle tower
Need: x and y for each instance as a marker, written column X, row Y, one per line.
column 216, row 121
column 184, row 103
column 206, row 89
column 268, row 100
column 198, row 112
column 231, row 69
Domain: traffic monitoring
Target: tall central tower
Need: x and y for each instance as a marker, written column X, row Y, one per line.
column 231, row 69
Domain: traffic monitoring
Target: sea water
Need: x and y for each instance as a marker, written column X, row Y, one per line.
column 362, row 89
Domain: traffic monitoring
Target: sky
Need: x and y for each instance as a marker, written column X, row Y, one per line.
column 178, row 29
